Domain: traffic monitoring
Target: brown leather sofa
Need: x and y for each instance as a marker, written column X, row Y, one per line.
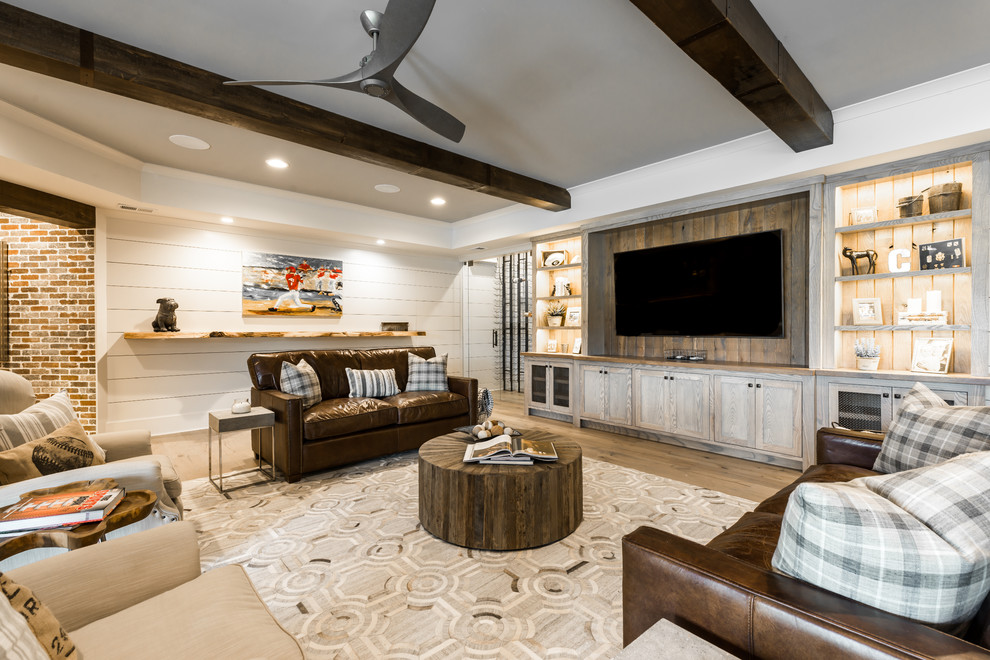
column 727, row 593
column 341, row 430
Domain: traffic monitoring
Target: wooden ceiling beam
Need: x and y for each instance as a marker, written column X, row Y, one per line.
column 732, row 42
column 42, row 45
column 37, row 205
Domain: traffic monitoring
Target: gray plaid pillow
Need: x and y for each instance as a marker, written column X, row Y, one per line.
column 427, row 375
column 915, row 543
column 36, row 421
column 301, row 380
column 927, row 430
column 371, row 382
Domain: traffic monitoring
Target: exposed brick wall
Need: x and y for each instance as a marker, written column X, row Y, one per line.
column 51, row 308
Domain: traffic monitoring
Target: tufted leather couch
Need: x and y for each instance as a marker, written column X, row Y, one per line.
column 727, row 593
column 340, row 430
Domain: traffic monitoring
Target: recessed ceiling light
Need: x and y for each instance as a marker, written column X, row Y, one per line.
column 227, row 220
column 387, row 188
column 380, row 242
column 438, row 201
column 189, row 142
column 277, row 163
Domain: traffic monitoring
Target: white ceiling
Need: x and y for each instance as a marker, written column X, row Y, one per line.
column 566, row 91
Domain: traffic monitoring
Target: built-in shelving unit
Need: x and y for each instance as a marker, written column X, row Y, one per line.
column 550, row 279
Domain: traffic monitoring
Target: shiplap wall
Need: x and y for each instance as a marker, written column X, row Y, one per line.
column 169, row 385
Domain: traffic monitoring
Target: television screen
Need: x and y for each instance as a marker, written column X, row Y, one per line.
column 724, row 287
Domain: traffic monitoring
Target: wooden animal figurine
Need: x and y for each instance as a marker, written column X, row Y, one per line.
column 855, row 255
column 165, row 320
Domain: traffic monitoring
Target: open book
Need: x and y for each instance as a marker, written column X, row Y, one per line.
column 515, row 450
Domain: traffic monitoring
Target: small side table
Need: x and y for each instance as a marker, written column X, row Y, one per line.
column 222, row 421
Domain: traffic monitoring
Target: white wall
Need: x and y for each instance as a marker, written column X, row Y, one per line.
column 169, row 385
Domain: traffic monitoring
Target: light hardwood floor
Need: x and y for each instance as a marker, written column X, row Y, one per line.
column 753, row 481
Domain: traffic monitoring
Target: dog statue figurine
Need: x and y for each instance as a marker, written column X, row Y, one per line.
column 165, row 320
column 855, row 255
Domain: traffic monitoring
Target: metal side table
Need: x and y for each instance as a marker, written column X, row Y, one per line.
column 222, row 421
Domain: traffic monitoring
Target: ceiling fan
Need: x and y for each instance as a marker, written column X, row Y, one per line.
column 393, row 33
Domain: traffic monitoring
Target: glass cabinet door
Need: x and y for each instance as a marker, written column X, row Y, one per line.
column 538, row 383
column 561, row 387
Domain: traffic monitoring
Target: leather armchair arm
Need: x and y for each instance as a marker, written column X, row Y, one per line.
column 466, row 387
column 124, row 444
column 845, row 447
column 289, row 435
column 91, row 583
column 755, row 613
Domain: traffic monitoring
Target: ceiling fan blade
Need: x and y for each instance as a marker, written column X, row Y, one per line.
column 350, row 81
column 402, row 23
column 433, row 117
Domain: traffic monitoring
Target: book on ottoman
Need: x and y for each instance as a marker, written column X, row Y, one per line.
column 59, row 509
column 510, row 450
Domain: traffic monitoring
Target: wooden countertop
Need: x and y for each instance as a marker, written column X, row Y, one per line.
column 233, row 334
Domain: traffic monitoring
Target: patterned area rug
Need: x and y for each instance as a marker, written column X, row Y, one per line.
column 342, row 562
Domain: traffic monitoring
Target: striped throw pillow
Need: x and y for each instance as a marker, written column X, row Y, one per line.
column 372, row 382
column 36, row 421
column 301, row 380
column 427, row 375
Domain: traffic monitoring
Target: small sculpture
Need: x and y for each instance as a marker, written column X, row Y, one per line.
column 165, row 320
column 241, row 407
column 855, row 255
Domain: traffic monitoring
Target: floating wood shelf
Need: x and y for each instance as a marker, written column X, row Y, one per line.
column 902, row 222
column 902, row 328
column 906, row 273
column 231, row 334
column 576, row 296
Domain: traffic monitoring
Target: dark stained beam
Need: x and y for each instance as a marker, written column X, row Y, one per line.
column 42, row 45
column 38, row 205
column 732, row 42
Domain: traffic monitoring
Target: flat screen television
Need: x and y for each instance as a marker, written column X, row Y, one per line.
column 723, row 287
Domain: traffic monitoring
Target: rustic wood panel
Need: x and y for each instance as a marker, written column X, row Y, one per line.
column 789, row 213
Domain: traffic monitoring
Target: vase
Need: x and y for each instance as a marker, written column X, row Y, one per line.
column 867, row 363
column 555, row 320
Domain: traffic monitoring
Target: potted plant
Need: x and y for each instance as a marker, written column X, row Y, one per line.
column 867, row 355
column 556, row 309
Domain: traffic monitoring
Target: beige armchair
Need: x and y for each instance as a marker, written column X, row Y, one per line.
column 143, row 597
column 129, row 461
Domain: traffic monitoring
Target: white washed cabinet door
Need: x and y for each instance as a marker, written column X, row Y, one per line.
column 651, row 399
column 618, row 395
column 689, row 406
column 592, row 391
column 779, row 416
column 734, row 421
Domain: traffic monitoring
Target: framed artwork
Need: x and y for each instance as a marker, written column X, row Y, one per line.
column 943, row 254
column 551, row 346
column 862, row 215
column 553, row 258
column 931, row 355
column 867, row 311
column 284, row 285
column 573, row 318
column 577, row 346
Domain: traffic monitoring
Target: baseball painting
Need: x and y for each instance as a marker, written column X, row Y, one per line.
column 283, row 285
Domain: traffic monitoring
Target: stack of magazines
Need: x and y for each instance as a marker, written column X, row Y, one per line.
column 59, row 509
column 506, row 450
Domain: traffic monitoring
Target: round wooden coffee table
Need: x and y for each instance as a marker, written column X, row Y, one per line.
column 499, row 507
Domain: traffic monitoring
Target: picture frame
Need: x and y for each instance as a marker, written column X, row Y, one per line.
column 867, row 311
column 942, row 254
column 551, row 346
column 573, row 318
column 553, row 258
column 863, row 215
column 932, row 355
column 577, row 346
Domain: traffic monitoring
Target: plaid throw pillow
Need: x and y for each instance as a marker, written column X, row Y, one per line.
column 372, row 382
column 927, row 430
column 427, row 375
column 301, row 380
column 37, row 421
column 915, row 543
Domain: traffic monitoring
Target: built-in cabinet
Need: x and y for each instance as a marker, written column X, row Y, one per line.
column 558, row 281
column 606, row 393
column 674, row 402
column 549, row 387
column 764, row 414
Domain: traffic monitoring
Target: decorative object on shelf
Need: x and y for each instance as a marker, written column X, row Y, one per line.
column 922, row 318
column 931, row 355
column 943, row 254
column 556, row 310
column 911, row 206
column 573, row 318
column 867, row 311
column 564, row 346
column 867, row 354
column 855, row 255
column 165, row 319
column 913, row 305
column 577, row 346
column 551, row 346
column 691, row 354
column 486, row 404
column 894, row 263
column 944, row 197
column 284, row 285
column 576, row 259
column 933, row 301
column 241, row 407
column 553, row 258
column 395, row 326
column 561, row 287
column 863, row 215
